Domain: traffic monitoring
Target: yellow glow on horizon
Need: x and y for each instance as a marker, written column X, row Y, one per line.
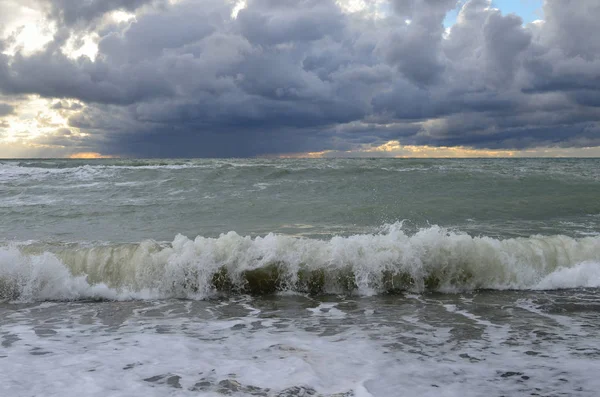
column 308, row 155
column 393, row 149
column 90, row 155
column 403, row 151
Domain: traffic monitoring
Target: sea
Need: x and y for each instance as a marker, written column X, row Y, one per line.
column 300, row 277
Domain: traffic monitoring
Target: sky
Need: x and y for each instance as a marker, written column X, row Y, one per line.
column 528, row 10
column 299, row 78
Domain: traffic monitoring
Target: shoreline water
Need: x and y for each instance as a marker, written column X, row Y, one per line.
column 496, row 343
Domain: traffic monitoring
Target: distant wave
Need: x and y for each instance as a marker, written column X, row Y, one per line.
column 432, row 259
column 506, row 168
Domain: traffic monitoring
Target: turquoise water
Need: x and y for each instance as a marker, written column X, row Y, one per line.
column 132, row 200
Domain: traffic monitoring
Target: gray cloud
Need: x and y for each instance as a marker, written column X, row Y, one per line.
column 63, row 105
column 82, row 12
column 299, row 75
column 60, row 137
column 6, row 109
column 270, row 22
column 414, row 46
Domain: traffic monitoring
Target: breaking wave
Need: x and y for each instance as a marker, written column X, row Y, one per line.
column 432, row 259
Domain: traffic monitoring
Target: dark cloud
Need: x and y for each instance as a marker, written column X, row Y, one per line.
column 270, row 22
column 414, row 46
column 71, row 12
column 64, row 105
column 186, row 79
column 50, row 73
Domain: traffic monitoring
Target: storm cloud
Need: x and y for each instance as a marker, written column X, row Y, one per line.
column 73, row 12
column 192, row 78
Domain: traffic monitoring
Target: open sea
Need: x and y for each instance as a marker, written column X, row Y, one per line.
column 290, row 278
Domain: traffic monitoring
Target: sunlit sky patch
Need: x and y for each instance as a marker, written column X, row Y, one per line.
column 528, row 10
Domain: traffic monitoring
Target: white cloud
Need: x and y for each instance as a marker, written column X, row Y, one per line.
column 239, row 6
column 25, row 26
column 370, row 8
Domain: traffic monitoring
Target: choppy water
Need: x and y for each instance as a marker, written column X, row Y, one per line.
column 300, row 277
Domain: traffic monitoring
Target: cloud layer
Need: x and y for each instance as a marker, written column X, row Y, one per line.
column 185, row 78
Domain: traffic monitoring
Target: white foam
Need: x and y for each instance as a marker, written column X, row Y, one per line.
column 583, row 275
column 45, row 277
column 378, row 360
column 375, row 262
column 327, row 310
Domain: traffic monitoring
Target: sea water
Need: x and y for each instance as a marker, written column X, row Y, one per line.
column 348, row 277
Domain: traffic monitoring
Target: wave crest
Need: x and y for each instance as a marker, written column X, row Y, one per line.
column 432, row 259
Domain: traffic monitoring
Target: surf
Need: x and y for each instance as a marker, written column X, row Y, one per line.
column 392, row 261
